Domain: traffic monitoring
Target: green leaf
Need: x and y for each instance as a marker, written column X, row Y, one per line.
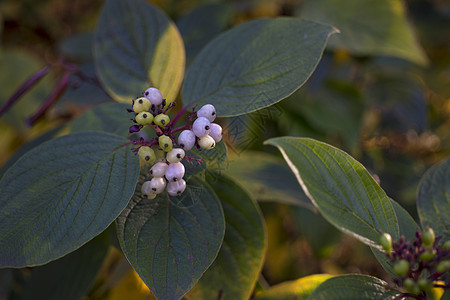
column 354, row 287
column 137, row 46
column 109, row 117
column 433, row 199
column 407, row 227
column 235, row 270
column 171, row 241
column 341, row 188
column 255, row 65
column 266, row 178
column 70, row 277
column 298, row 289
column 368, row 27
column 61, row 194
column 201, row 25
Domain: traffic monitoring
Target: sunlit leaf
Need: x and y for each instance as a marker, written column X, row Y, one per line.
column 137, row 46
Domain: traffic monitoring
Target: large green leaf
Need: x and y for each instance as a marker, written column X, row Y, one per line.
column 407, row 227
column 433, row 200
column 299, row 289
column 341, row 188
column 171, row 241
column 110, row 117
column 70, row 277
column 61, row 194
column 201, row 25
column 137, row 46
column 354, row 287
column 368, row 27
column 235, row 271
column 255, row 65
column 266, row 178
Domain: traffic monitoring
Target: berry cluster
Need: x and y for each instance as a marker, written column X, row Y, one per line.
column 199, row 131
column 420, row 264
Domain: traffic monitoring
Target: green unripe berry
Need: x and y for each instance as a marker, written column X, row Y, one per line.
column 427, row 255
column 425, row 284
column 410, row 286
column 443, row 266
column 428, row 237
column 161, row 120
column 386, row 242
column 146, row 190
column 141, row 104
column 144, row 118
column 401, row 267
column 147, row 154
column 165, row 143
column 446, row 245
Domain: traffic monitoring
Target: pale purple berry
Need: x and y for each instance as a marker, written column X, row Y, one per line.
column 154, row 96
column 201, row 127
column 207, row 111
column 216, row 132
column 175, row 172
column 186, row 140
column 176, row 188
column 158, row 169
column 157, row 184
column 175, row 155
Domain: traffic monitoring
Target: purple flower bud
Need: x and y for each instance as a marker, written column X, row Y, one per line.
column 135, row 128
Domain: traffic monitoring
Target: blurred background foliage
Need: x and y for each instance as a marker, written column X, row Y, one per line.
column 381, row 93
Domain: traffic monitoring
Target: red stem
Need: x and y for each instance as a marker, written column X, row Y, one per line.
column 62, row 85
column 27, row 85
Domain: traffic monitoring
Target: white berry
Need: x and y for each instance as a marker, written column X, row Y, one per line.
column 206, row 142
column 158, row 169
column 176, row 188
column 207, row 111
column 201, row 127
column 186, row 140
column 146, row 190
column 216, row 132
column 154, row 96
column 175, row 172
column 157, row 184
column 175, row 155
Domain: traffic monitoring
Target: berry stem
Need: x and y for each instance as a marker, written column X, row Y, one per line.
column 181, row 128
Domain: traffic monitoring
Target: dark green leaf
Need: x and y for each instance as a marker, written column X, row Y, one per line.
column 433, row 200
column 255, row 65
column 407, row 227
column 202, row 25
column 109, row 117
column 354, row 287
column 78, row 46
column 171, row 241
column 235, row 271
column 266, row 178
column 86, row 91
column 369, row 27
column 137, row 46
column 341, row 188
column 298, row 289
column 61, row 194
column 70, row 277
